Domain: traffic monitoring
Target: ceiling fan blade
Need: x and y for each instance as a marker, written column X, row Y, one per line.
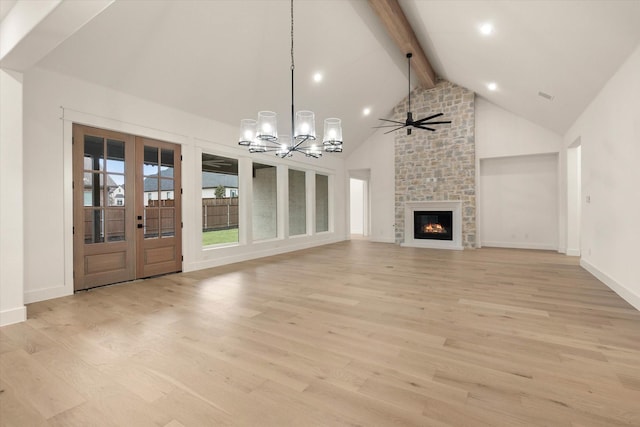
column 434, row 123
column 429, row 118
column 384, row 126
column 392, row 121
column 393, row 130
column 424, row 127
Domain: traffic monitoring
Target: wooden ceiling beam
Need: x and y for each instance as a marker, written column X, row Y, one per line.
column 398, row 27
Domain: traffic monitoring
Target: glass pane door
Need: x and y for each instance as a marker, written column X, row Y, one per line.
column 103, row 227
column 158, row 215
column 127, row 221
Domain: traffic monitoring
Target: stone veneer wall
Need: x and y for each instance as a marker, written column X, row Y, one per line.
column 438, row 165
column 265, row 202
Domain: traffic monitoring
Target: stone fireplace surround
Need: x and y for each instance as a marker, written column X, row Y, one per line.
column 437, row 166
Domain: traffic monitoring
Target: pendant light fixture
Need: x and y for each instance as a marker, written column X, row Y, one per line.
column 261, row 135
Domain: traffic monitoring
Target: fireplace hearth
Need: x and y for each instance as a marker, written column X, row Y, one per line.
column 434, row 225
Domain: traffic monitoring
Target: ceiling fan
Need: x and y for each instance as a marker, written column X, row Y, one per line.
column 423, row 123
column 216, row 163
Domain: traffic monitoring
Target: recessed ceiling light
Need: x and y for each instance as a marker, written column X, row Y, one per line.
column 317, row 77
column 366, row 111
column 492, row 86
column 486, row 28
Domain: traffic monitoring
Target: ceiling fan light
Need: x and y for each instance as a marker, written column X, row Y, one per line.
column 305, row 125
column 247, row 132
column 332, row 134
column 267, row 126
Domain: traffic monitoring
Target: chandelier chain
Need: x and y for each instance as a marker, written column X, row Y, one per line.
column 292, row 64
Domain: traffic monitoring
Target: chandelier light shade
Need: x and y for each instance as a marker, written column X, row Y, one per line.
column 305, row 125
column 267, row 126
column 247, row 132
column 261, row 136
column 332, row 140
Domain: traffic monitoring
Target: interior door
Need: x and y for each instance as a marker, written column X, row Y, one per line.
column 127, row 207
column 158, row 217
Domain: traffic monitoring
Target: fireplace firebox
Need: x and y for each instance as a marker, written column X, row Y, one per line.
column 433, row 225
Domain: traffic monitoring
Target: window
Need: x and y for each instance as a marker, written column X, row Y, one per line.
column 265, row 201
column 322, row 203
column 297, row 203
column 219, row 209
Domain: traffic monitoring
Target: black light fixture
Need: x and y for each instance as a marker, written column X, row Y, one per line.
column 409, row 122
column 261, row 135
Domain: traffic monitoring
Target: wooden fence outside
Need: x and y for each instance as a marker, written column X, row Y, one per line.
column 217, row 214
column 220, row 213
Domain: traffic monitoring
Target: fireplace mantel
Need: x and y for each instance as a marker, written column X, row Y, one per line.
column 446, row 205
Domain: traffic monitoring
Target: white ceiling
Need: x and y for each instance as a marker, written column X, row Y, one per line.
column 228, row 59
column 5, row 7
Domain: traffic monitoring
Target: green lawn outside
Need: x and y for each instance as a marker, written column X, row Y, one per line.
column 219, row 236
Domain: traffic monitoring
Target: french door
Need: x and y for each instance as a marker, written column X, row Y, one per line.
column 126, row 207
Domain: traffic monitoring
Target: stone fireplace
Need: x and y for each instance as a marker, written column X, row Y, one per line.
column 437, row 167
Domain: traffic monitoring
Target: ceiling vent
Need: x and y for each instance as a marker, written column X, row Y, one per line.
column 545, row 96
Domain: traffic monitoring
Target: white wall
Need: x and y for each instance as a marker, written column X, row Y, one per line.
column 376, row 154
column 519, row 202
column 48, row 175
column 12, row 309
column 501, row 133
column 609, row 132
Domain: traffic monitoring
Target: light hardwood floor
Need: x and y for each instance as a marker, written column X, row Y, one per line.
column 354, row 333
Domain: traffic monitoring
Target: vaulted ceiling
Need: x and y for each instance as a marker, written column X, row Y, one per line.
column 228, row 59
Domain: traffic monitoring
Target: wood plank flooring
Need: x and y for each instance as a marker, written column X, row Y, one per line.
column 354, row 333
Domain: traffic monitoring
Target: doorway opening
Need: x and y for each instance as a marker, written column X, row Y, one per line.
column 126, row 207
column 359, row 204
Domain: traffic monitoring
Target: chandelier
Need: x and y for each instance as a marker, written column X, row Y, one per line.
column 261, row 135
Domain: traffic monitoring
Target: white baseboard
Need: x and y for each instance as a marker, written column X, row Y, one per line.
column 625, row 293
column 13, row 315
column 520, row 245
column 258, row 253
column 573, row 252
column 46, row 294
column 382, row 240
